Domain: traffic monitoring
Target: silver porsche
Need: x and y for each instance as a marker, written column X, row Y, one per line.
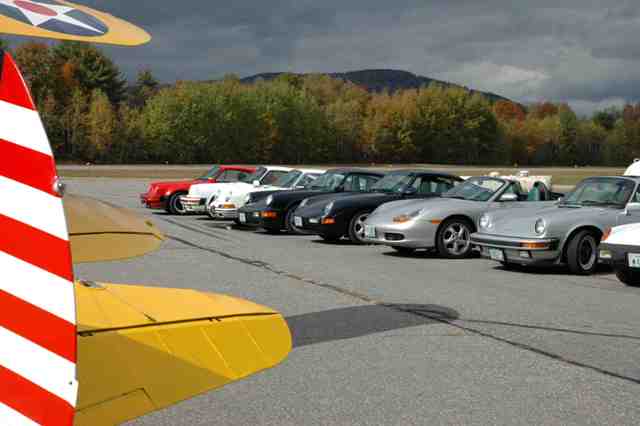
column 446, row 223
column 567, row 232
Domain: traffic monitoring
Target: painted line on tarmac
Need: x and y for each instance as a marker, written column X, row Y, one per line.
column 194, row 229
column 459, row 323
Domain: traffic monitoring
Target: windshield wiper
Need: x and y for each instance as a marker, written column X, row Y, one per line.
column 599, row 203
column 457, row 197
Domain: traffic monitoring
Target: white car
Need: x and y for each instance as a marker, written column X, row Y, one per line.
column 633, row 169
column 620, row 247
column 196, row 200
column 226, row 200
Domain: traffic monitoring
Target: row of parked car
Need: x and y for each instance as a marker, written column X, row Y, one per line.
column 514, row 220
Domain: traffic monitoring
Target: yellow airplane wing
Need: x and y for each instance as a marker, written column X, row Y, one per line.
column 99, row 231
column 63, row 20
column 137, row 353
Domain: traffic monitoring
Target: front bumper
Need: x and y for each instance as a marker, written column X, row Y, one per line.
column 194, row 204
column 225, row 213
column 524, row 251
column 321, row 225
column 249, row 217
column 151, row 203
column 617, row 256
column 411, row 234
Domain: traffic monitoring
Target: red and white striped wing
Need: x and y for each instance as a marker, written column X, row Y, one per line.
column 37, row 304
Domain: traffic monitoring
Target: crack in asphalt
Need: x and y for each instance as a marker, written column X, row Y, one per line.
column 457, row 323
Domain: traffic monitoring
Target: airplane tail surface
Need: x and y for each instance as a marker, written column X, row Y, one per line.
column 37, row 302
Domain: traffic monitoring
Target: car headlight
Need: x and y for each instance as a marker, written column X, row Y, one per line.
column 269, row 200
column 327, row 208
column 485, row 222
column 407, row 217
column 304, row 202
column 541, row 226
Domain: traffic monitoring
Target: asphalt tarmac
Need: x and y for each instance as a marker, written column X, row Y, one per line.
column 382, row 338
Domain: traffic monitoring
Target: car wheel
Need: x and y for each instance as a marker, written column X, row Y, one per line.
column 454, row 239
column 403, row 250
column 330, row 238
column 629, row 278
column 211, row 210
column 356, row 227
column 289, row 223
column 174, row 206
column 582, row 253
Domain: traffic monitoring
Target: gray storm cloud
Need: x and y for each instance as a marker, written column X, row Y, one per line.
column 579, row 51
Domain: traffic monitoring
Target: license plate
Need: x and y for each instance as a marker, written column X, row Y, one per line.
column 242, row 217
column 496, row 255
column 297, row 220
column 369, row 231
column 634, row 260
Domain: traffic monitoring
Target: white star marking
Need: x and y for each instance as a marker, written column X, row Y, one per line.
column 38, row 19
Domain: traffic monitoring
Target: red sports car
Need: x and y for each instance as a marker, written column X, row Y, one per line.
column 166, row 195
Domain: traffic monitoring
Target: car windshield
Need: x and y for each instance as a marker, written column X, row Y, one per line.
column 254, row 176
column 393, row 183
column 288, row 180
column 476, row 189
column 601, row 191
column 328, row 181
column 210, row 174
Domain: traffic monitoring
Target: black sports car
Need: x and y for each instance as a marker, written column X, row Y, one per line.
column 275, row 212
column 336, row 217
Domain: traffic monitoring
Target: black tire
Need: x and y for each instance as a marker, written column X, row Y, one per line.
column 355, row 231
column 404, row 250
column 630, row 278
column 330, row 238
column 582, row 253
column 453, row 240
column 289, row 224
column 174, row 206
column 211, row 210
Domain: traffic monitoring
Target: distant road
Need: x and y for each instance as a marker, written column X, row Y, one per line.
column 561, row 175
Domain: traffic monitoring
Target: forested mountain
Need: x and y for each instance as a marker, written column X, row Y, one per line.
column 377, row 80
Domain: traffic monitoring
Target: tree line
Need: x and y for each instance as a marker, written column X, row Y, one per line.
column 93, row 115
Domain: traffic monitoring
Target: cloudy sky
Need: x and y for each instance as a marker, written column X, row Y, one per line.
column 586, row 52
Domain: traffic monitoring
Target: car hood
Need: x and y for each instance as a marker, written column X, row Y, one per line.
column 395, row 208
column 558, row 219
column 206, row 189
column 171, row 184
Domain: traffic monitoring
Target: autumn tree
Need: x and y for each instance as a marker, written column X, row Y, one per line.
column 36, row 60
column 91, row 68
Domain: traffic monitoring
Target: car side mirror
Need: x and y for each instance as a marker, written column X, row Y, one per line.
column 632, row 209
column 509, row 197
column 256, row 183
column 410, row 191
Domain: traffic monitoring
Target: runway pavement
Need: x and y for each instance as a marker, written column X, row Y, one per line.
column 381, row 338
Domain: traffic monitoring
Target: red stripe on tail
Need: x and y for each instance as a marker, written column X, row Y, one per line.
column 39, row 326
column 13, row 88
column 33, row 168
column 32, row 401
column 35, row 247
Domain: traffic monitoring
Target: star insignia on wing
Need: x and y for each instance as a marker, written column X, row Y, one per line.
column 38, row 13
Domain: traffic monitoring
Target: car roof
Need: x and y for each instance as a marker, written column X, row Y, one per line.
column 425, row 172
column 357, row 170
column 278, row 168
column 315, row 171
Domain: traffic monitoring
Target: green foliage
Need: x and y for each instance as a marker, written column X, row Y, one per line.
column 295, row 119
